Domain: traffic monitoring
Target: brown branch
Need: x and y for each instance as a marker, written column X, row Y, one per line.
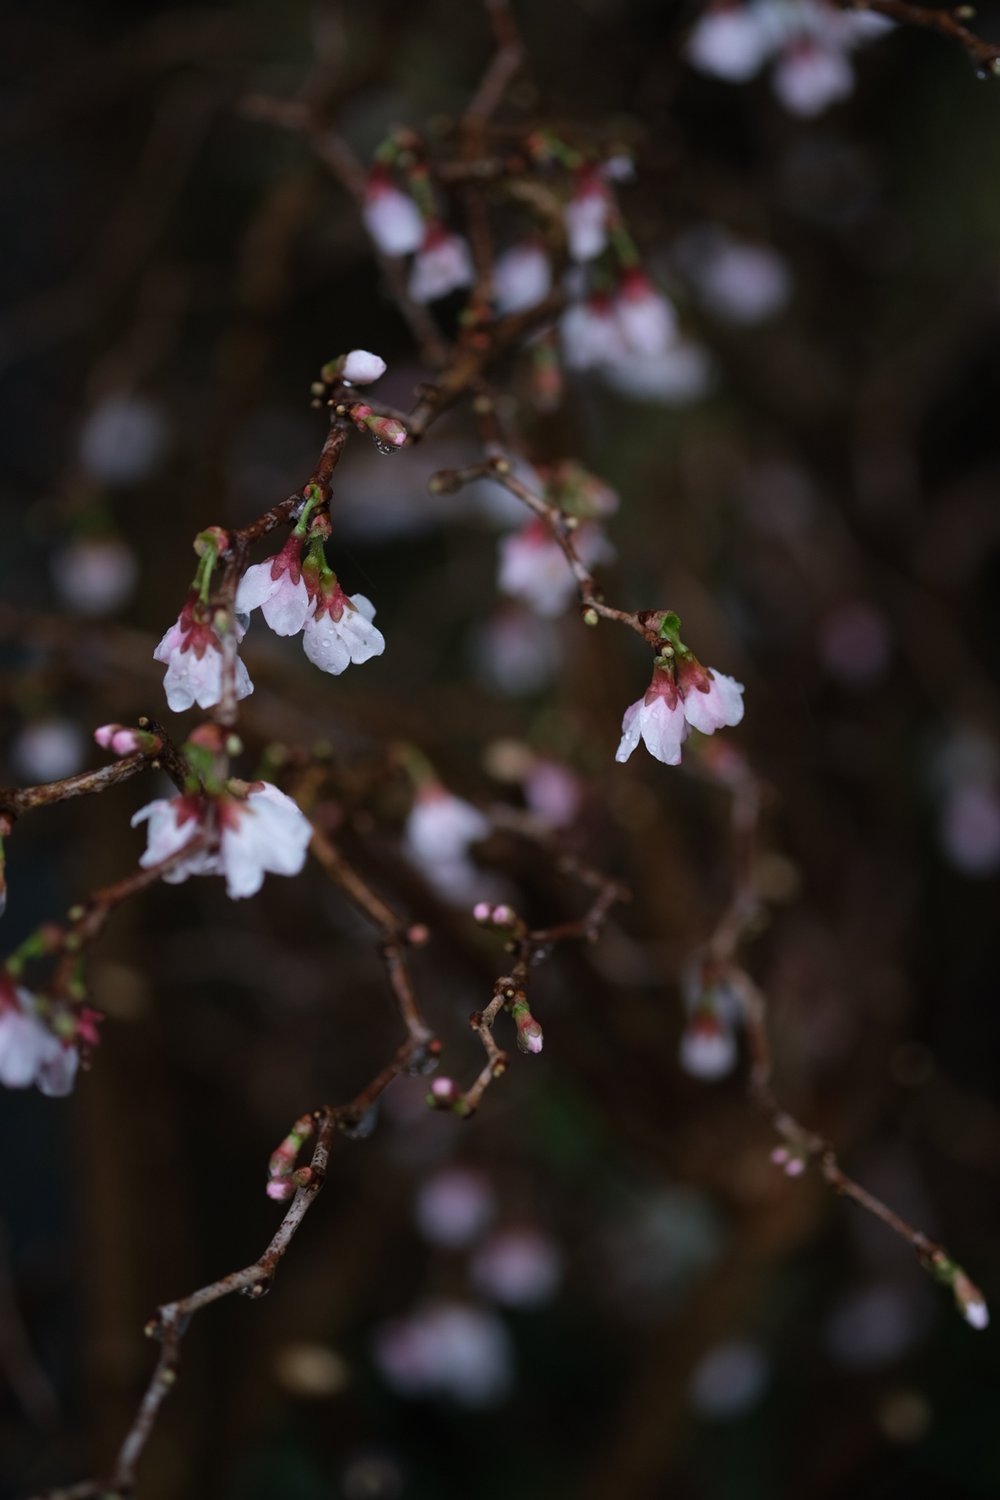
column 17, row 800
column 945, row 22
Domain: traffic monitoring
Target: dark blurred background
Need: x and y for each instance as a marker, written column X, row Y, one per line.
column 627, row 1299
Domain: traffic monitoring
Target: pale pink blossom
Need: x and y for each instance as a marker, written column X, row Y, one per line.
column 441, row 827
column 277, row 588
column 811, row 75
column 736, row 280
column 339, row 631
column 391, row 217
column 522, row 277
column 519, row 1267
column 708, row 1047
column 658, row 720
column 728, row 42
column 680, row 374
column 442, row 265
column 646, row 319
column 362, row 368
column 119, row 738
column 710, row 700
column 454, row 1206
column 586, row 216
column 591, row 334
column 47, row 750
column 192, row 653
column 534, row 569
column 123, row 438
column 264, row 832
column 30, row 1053
column 95, row 575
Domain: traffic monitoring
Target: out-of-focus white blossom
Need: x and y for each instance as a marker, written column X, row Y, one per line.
column 94, row 575
column 123, row 439
column 534, row 569
column 391, row 217
column 645, row 318
column 516, row 652
column 48, row 750
column 519, row 1267
column 30, row 1053
column 443, row 264
column 809, row 76
column 522, row 277
column 447, row 1349
column 736, row 280
column 587, row 215
column 854, row 642
column 439, row 832
column 708, row 1047
column 729, row 1380
column 454, row 1206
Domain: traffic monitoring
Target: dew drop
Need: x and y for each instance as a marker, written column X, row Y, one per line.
column 383, row 446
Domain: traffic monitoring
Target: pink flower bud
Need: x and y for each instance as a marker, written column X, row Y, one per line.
column 482, row 911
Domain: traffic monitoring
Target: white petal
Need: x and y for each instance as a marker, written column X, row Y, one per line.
column 631, row 727
column 363, row 639
column 324, row 646
column 663, row 731
column 287, row 608
column 255, row 586
column 57, row 1070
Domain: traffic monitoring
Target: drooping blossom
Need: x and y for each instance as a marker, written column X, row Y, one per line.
column 645, row 318
column 534, row 569
column 591, row 334
column 30, row 1052
column 95, row 575
column 708, row 1046
column 737, row 280
column 339, row 631
column 658, row 720
column 522, row 277
column 391, row 217
column 587, row 215
column 264, row 832
column 442, row 265
column 192, row 653
column 277, row 588
column 811, row 74
column 728, row 42
column 695, row 696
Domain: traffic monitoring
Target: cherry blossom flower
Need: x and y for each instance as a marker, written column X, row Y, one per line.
column 591, row 334
column 340, row 631
column 533, row 567
column 728, row 42
column 710, row 700
column 586, row 215
column 48, row 750
column 123, row 439
column 264, row 832
column 736, row 280
column 658, row 719
column 446, row 1348
column 439, row 832
column 30, row 1053
column 391, row 217
column 278, row 589
column 192, row 653
column 454, row 1206
column 519, row 1267
column 696, row 696
column 442, row 265
column 95, row 575
column 810, row 75
column 708, row 1046
column 522, row 277
column 646, row 319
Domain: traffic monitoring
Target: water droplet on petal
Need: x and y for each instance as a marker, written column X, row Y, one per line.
column 383, row 446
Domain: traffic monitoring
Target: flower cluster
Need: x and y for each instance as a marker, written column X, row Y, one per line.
column 809, row 42
column 245, row 836
column 38, row 1043
column 191, row 651
column 401, row 225
column 683, row 695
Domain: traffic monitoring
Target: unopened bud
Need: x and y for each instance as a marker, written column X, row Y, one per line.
column 529, row 1032
column 361, row 368
column 444, row 1094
